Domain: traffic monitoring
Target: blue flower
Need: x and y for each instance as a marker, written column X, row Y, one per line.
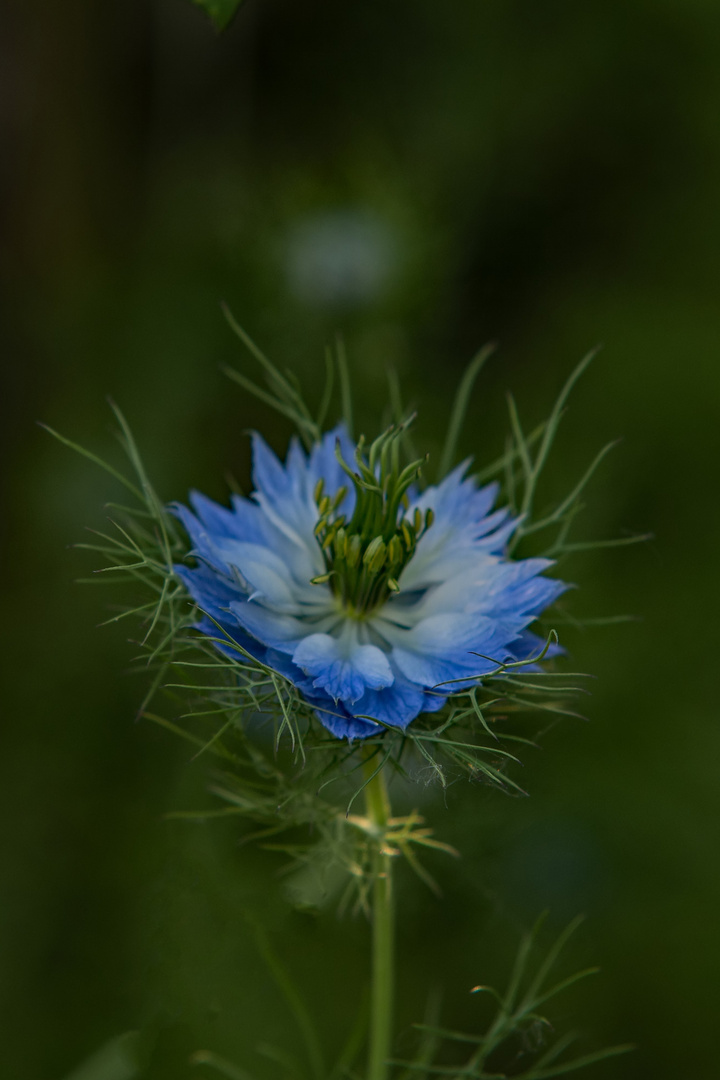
column 373, row 597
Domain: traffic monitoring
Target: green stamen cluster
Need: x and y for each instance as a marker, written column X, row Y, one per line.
column 366, row 555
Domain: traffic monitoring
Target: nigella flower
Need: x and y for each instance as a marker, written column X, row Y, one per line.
column 377, row 600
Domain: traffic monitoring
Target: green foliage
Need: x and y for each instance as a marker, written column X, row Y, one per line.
column 519, row 1039
column 283, row 392
column 460, row 404
column 221, row 12
column 521, row 468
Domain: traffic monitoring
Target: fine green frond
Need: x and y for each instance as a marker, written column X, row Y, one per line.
column 306, row 428
column 295, row 1002
column 354, row 1042
column 399, row 416
column 517, row 1037
column 566, row 505
column 521, row 486
column 457, row 416
column 550, row 432
column 506, row 461
column 582, row 1062
column 95, row 460
column 139, row 553
column 345, row 386
column 594, row 545
column 281, row 395
column 327, row 390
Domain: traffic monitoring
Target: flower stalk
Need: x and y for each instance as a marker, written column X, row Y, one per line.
column 383, row 924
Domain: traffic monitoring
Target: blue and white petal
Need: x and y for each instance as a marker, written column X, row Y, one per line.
column 342, row 666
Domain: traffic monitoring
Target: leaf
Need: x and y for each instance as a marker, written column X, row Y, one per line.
column 462, row 397
column 294, row 1001
column 579, row 1062
column 221, row 12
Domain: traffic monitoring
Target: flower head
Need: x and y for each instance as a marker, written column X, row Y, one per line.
column 376, row 599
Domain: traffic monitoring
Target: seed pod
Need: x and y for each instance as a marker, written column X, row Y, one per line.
column 429, row 518
column 317, row 494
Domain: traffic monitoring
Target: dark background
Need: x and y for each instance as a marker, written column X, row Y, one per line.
column 422, row 177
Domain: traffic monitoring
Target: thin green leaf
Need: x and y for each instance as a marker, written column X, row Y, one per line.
column 550, row 431
column 345, row 388
column 295, row 1002
column 523, row 450
column 96, row 461
column 327, row 391
column 460, row 404
column 592, row 545
column 580, row 1062
column 549, row 961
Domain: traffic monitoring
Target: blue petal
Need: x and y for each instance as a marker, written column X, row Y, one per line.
column 282, row 663
column 227, row 635
column 266, row 573
column 269, row 475
column 278, row 631
column 210, row 591
column 339, row 722
column 396, row 705
column 343, row 669
column 243, row 522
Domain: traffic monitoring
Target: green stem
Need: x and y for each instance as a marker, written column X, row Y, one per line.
column 383, row 958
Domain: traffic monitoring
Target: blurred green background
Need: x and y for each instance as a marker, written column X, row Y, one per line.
column 423, row 178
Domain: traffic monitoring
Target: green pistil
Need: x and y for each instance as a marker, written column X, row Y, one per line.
column 365, row 556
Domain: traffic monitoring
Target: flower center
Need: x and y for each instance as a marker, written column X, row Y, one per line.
column 364, row 556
